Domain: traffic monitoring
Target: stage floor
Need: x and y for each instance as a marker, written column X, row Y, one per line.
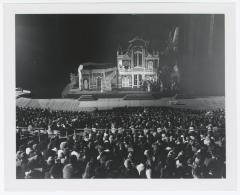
column 212, row 102
column 121, row 90
column 76, row 93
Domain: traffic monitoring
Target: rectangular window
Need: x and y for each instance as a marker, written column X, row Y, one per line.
column 155, row 64
column 134, row 59
column 125, row 82
column 150, row 65
column 125, row 63
column 140, row 79
column 140, row 59
column 130, row 81
column 135, row 79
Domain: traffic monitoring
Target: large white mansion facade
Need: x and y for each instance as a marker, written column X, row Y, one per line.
column 137, row 64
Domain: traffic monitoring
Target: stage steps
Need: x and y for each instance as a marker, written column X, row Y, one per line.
column 87, row 97
column 140, row 96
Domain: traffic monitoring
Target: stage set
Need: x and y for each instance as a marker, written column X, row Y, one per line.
column 137, row 74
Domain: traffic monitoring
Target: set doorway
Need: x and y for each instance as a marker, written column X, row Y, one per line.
column 99, row 83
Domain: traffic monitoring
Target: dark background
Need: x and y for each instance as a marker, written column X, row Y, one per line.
column 49, row 47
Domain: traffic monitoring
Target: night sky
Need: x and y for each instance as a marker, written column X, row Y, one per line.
column 49, row 47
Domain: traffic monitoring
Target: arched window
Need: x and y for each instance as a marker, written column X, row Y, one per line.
column 137, row 58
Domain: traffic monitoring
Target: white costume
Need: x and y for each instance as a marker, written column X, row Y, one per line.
column 80, row 76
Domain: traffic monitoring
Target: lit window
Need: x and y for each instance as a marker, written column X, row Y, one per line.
column 125, row 82
column 150, row 65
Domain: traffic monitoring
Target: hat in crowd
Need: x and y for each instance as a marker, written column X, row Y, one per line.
column 106, row 141
column 168, row 148
column 146, row 152
column 154, row 134
column 130, row 149
column 191, row 128
column 192, row 137
column 55, row 149
column 209, row 128
column 75, row 154
column 159, row 130
column 63, row 145
column 28, row 150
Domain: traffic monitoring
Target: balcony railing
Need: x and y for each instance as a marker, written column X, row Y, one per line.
column 136, row 69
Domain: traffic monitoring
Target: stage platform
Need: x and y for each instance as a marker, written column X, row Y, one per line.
column 212, row 102
column 137, row 93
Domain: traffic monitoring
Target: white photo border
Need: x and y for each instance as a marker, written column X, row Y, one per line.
column 13, row 184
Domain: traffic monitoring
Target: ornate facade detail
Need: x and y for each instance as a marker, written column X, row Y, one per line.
column 137, row 64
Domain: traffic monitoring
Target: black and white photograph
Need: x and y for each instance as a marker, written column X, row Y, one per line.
column 120, row 96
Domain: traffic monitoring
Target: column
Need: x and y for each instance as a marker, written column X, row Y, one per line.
column 132, row 80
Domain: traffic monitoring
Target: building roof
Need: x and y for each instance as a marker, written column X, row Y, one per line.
column 137, row 41
column 93, row 65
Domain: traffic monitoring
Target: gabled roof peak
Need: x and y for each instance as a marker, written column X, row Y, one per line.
column 137, row 39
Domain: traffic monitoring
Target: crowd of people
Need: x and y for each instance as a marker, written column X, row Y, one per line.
column 136, row 142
